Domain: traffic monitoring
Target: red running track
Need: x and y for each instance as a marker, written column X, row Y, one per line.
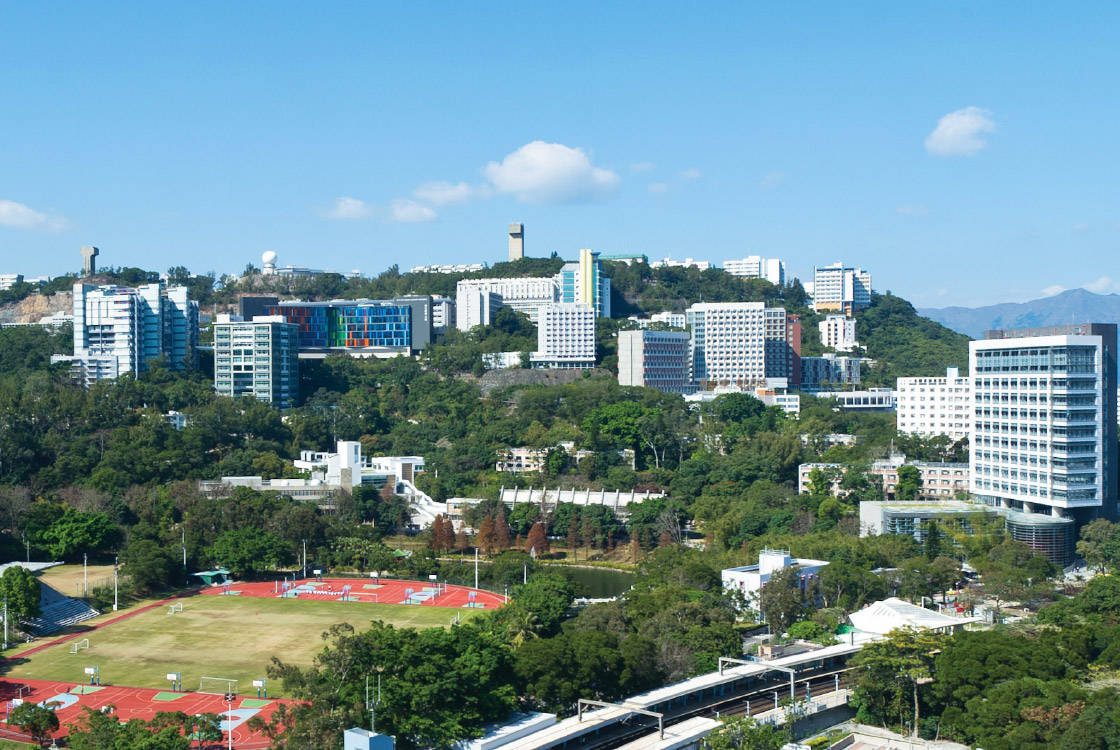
column 132, row 703
column 366, row 591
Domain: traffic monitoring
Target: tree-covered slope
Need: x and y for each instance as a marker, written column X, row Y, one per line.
column 904, row 344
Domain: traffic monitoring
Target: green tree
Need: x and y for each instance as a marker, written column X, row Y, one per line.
column 744, row 733
column 548, row 597
column 38, row 721
column 783, row 599
column 1100, row 544
column 909, row 483
column 76, row 532
column 894, row 669
column 246, row 551
column 152, row 566
column 20, row 589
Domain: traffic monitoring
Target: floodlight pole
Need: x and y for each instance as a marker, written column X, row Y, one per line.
column 305, row 559
column 116, row 559
column 5, row 622
column 183, row 530
column 85, row 573
column 229, row 702
column 476, row 565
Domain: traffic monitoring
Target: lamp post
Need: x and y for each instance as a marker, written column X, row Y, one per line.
column 85, row 574
column 116, row 560
column 305, row 559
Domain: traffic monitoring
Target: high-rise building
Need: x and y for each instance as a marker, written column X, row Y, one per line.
column 838, row 332
column 525, row 295
column 740, row 343
column 258, row 358
column 841, row 289
column 1044, row 432
column 757, row 267
column 516, row 242
column 565, row 337
column 655, row 359
column 363, row 327
column 935, row 406
column 118, row 330
column 582, row 283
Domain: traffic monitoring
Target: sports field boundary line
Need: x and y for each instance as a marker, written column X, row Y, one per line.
column 98, row 626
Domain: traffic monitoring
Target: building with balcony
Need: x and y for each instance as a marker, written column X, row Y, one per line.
column 837, row 288
column 565, row 337
column 935, row 406
column 838, row 332
column 119, row 330
column 258, row 358
column 655, row 359
column 739, row 343
column 1044, row 432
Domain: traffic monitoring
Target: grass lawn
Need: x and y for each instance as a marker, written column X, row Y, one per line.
column 69, row 580
column 216, row 636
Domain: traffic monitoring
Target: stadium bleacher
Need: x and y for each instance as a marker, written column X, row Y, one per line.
column 58, row 612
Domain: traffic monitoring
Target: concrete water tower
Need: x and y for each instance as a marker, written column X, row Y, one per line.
column 89, row 260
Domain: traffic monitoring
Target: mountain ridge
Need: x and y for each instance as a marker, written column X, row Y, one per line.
column 1068, row 307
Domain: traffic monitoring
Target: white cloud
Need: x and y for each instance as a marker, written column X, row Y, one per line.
column 771, row 180
column 348, row 209
column 1081, row 227
column 446, row 193
column 1050, row 291
column 642, row 166
column 657, row 188
column 22, row 216
column 407, row 211
column 961, row 133
column 551, row 173
column 912, row 211
column 691, row 174
column 1103, row 285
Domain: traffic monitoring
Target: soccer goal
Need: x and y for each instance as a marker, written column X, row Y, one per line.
column 81, row 645
column 176, row 607
column 217, row 686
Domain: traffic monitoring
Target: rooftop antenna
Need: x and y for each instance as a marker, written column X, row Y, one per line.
column 371, row 705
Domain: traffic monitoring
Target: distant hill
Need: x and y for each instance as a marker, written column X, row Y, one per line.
column 1073, row 306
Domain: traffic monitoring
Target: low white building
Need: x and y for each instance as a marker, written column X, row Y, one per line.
column 703, row 265
column 448, row 268
column 838, row 332
column 565, row 337
column 757, row 267
column 523, row 294
column 8, row 280
column 749, row 580
column 935, row 406
column 774, row 395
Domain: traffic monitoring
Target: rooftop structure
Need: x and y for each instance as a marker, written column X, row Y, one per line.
column 89, row 260
column 887, row 615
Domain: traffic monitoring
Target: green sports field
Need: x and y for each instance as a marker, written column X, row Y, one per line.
column 216, row 636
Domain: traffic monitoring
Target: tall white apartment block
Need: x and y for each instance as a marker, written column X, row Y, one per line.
column 838, row 332
column 740, row 343
column 118, row 330
column 935, row 406
column 526, row 295
column 1044, row 420
column 258, row 358
column 757, row 267
column 840, row 288
column 655, row 359
column 565, row 337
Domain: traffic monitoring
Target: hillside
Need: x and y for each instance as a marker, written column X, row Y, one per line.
column 905, row 344
column 1073, row 306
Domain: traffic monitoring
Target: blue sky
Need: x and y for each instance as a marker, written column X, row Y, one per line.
column 963, row 153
